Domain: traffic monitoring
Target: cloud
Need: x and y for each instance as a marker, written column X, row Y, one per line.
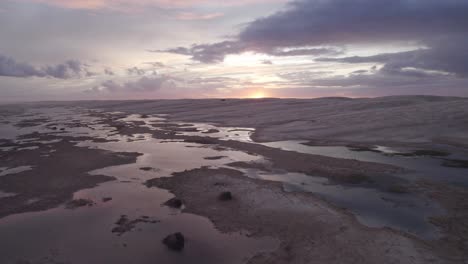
column 156, row 64
column 211, row 53
column 67, row 70
column 383, row 80
column 267, row 62
column 143, row 84
column 197, row 16
column 124, row 5
column 321, row 27
column 136, row 71
column 450, row 56
column 215, row 53
column 319, row 22
column 108, row 71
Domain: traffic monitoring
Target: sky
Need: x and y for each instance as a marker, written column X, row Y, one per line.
column 151, row 49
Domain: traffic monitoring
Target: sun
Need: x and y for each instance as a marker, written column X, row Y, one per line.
column 257, row 95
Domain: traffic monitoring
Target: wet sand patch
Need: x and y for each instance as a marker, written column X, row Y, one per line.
column 340, row 171
column 54, row 178
column 308, row 229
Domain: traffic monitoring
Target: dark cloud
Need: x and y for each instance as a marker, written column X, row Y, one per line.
column 215, row 53
column 320, row 27
column 322, row 22
column 383, row 80
column 144, row 84
column 69, row 69
column 449, row 56
column 304, row 51
column 209, row 53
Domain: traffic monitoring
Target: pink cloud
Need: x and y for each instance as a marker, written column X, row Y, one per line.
column 124, row 5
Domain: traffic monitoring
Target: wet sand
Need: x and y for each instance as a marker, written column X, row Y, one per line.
column 55, row 175
column 288, row 206
column 310, row 230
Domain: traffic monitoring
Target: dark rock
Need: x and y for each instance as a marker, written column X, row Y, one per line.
column 146, row 168
column 106, row 199
column 175, row 241
column 174, row 202
column 225, row 196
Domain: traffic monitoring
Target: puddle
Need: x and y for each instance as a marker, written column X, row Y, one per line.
column 422, row 167
column 64, row 235
column 224, row 133
column 373, row 208
column 68, row 233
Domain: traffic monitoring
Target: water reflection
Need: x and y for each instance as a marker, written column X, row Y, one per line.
column 421, row 167
column 83, row 235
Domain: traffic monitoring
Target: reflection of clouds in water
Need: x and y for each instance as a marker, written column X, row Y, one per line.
column 130, row 197
column 422, row 167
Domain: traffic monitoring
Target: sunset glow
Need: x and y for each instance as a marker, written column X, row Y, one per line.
column 257, row 95
column 166, row 49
